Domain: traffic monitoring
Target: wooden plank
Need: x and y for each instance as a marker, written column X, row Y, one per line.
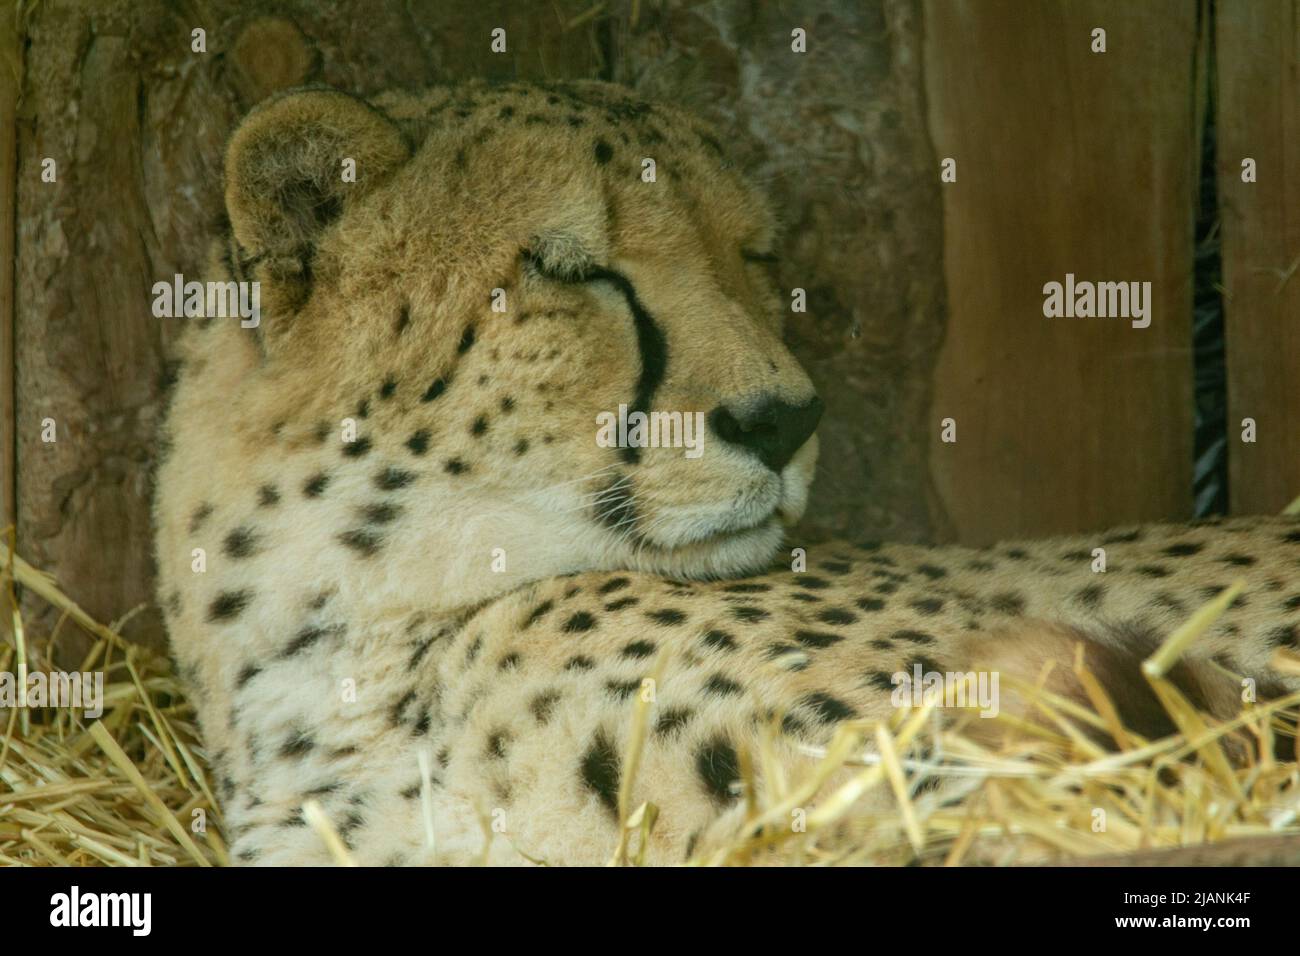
column 1068, row 161
column 1258, row 66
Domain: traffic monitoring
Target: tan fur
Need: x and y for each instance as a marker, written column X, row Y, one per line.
column 353, row 609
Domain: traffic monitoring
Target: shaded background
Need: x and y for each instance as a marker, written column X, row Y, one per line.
column 924, row 297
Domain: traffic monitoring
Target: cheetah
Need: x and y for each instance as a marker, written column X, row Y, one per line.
column 402, row 579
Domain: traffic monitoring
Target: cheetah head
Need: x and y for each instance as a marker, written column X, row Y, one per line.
column 483, row 278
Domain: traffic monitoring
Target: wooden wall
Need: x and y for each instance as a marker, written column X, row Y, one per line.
column 925, row 297
column 136, row 122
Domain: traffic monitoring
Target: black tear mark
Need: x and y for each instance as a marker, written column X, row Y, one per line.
column 651, row 344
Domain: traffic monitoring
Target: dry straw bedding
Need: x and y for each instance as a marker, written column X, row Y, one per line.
column 123, row 790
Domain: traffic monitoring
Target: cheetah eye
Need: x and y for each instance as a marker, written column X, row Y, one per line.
column 750, row 255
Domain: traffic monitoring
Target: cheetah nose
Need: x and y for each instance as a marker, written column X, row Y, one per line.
column 771, row 429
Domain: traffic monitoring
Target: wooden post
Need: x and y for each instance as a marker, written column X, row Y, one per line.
column 1259, row 121
column 1068, row 161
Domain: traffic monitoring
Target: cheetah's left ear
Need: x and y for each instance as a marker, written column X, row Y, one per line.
column 288, row 177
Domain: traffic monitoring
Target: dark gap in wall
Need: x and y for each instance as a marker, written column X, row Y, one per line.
column 1210, row 455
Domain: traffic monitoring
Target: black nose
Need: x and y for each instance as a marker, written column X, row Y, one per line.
column 772, row 430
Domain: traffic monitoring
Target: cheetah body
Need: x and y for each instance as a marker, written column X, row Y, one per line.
column 384, row 528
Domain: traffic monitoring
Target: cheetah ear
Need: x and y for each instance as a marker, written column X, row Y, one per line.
column 288, row 177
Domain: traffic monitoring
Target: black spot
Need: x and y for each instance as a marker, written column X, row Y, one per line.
column 1008, row 603
column 600, row 771
column 622, row 603
column 750, row 615
column 835, row 615
column 355, row 449
column 363, row 410
column 881, row 681
column 521, row 446
column 268, row 496
column 480, row 426
column 403, row 319
column 603, row 152
column 672, row 719
column 612, row 585
column 305, row 638
column 543, row 705
column 510, row 661
column 1091, row 595
column 719, row 769
column 228, row 604
column 456, row 467
column 836, row 567
column 362, row 540
column 932, row 572
column 538, row 612
column 246, row 673
column 1184, row 549
column 720, row 640
column 638, row 649
column 419, row 442
column 1152, row 571
column 314, row 485
column 390, row 479
column 387, row 390
column 870, row 604
column 747, row 588
column 927, row 605
column 239, row 543
column 466, row 340
column 817, row 638
column 812, row 582
column 1237, row 560
column 828, row 709
column 381, row 513
column 1292, row 603
column 578, row 623
column 433, row 391
column 1017, row 554
column 200, row 515
column 722, row 686
column 298, row 744
column 1122, row 537
column 496, row 745
column 666, row 617
column 623, row 689
column 579, row 663
column 1286, row 634
column 916, row 637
